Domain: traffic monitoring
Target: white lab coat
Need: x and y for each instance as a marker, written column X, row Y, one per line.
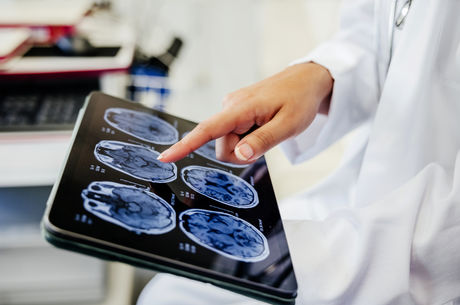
column 385, row 227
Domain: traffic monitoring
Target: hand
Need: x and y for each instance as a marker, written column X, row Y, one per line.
column 258, row 117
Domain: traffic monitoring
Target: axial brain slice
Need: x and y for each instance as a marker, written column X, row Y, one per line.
column 220, row 186
column 135, row 160
column 142, row 125
column 224, row 234
column 129, row 207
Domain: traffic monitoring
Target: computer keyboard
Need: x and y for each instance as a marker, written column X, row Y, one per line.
column 48, row 105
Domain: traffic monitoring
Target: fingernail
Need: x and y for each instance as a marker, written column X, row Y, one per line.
column 244, row 152
column 163, row 155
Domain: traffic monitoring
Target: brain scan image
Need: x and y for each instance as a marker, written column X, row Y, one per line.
column 141, row 125
column 137, row 161
column 220, row 186
column 224, row 234
column 129, row 207
column 208, row 151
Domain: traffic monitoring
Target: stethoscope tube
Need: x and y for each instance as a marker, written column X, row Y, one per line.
column 396, row 22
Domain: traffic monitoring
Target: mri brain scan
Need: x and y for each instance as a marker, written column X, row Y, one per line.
column 129, row 207
column 220, row 186
column 142, row 125
column 137, row 161
column 224, row 234
column 209, row 152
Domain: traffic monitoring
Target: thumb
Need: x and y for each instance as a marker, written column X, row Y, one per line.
column 255, row 144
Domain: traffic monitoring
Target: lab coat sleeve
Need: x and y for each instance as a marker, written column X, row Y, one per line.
column 350, row 57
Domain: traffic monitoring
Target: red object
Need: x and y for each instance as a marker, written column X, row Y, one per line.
column 20, row 49
column 44, row 34
column 56, row 74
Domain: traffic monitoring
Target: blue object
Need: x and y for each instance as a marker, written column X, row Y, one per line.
column 149, row 80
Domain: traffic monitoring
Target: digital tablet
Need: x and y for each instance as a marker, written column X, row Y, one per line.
column 199, row 217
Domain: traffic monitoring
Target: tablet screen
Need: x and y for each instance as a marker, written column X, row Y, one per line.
column 197, row 211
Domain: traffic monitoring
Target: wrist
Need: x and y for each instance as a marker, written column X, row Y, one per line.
column 326, row 91
column 318, row 82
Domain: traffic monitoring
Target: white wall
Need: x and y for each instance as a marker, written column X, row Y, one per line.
column 294, row 27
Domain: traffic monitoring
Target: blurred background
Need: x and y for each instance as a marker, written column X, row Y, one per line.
column 181, row 56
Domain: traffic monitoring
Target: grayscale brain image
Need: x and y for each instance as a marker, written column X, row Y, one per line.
column 135, row 160
column 141, row 125
column 220, row 186
column 129, row 207
column 208, row 151
column 225, row 234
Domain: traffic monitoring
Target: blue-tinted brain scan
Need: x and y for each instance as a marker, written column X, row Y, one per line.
column 220, row 186
column 137, row 161
column 209, row 152
column 129, row 207
column 142, row 125
column 224, row 234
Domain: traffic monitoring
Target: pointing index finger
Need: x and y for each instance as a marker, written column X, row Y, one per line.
column 215, row 127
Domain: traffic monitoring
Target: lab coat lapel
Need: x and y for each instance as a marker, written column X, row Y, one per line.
column 407, row 112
